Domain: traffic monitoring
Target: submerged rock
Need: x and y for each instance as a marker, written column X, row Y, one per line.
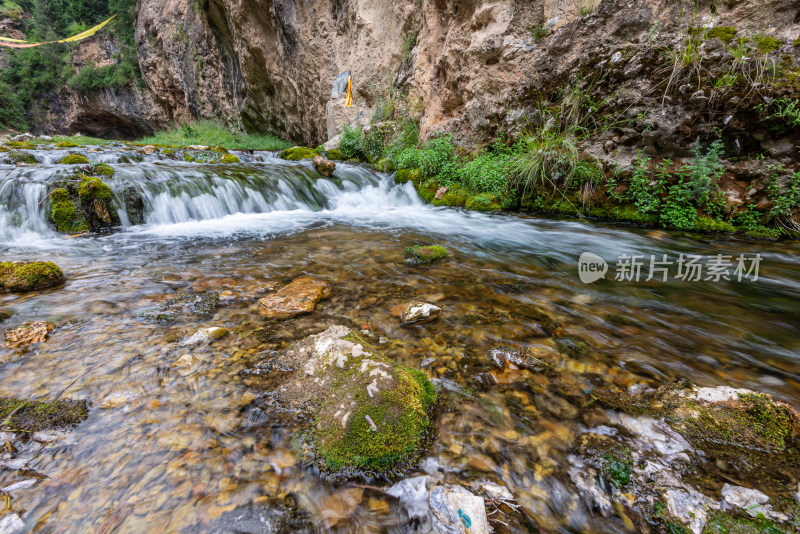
column 429, row 254
column 443, row 508
column 324, row 166
column 29, row 276
column 710, row 433
column 369, row 413
column 420, row 312
column 191, row 304
column 21, row 157
column 300, row 296
column 27, row 334
column 33, row 416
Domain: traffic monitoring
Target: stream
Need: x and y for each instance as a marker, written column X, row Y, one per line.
column 165, row 449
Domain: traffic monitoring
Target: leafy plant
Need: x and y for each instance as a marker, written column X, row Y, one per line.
column 785, row 114
column 351, row 144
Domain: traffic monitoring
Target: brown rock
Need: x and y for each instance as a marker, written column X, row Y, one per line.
column 27, row 334
column 149, row 149
column 324, row 166
column 441, row 192
column 420, row 312
column 301, row 296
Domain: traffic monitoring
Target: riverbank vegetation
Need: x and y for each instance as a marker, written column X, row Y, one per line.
column 210, row 133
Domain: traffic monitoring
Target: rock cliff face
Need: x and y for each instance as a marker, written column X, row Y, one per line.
column 470, row 67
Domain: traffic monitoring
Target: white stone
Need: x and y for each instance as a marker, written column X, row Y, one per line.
column 616, row 58
column 690, row 507
column 743, row 497
column 11, row 524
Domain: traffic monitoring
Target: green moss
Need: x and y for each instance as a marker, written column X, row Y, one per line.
column 335, row 155
column 230, row 158
column 483, row 202
column 21, row 144
column 707, row 224
column 64, row 214
column 456, row 196
column 723, row 33
column 721, row 522
column 766, row 44
column 427, row 254
column 29, row 276
column 797, row 41
column 66, row 144
column 400, row 417
column 402, row 176
column 168, row 151
column 427, row 191
column 101, row 169
column 74, row 159
column 91, row 189
column 384, row 165
column 219, row 149
column 298, row 153
column 21, row 157
column 33, row 416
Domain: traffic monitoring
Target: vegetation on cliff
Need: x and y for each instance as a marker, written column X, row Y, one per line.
column 33, row 72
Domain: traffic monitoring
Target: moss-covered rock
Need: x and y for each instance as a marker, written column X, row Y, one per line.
column 97, row 203
column 335, row 155
column 74, row 159
column 705, row 223
column 32, row 416
column 483, row 202
column 66, row 144
column 21, row 157
column 230, row 158
column 64, row 214
column 298, row 153
column 29, row 276
column 369, row 414
column 102, row 169
column 220, row 149
column 429, row 254
column 750, row 432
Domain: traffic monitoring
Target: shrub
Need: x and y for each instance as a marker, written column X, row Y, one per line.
column 488, row 172
column 350, row 144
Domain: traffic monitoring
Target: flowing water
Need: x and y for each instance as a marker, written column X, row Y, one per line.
column 169, row 449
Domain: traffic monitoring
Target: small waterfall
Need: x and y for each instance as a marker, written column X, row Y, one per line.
column 173, row 191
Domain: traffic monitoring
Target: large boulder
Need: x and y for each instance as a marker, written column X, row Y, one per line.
column 29, row 276
column 300, row 296
column 369, row 414
column 86, row 203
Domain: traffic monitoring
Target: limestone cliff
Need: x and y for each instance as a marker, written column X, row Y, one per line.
column 475, row 68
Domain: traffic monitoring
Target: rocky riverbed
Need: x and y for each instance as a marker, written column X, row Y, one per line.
column 331, row 353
